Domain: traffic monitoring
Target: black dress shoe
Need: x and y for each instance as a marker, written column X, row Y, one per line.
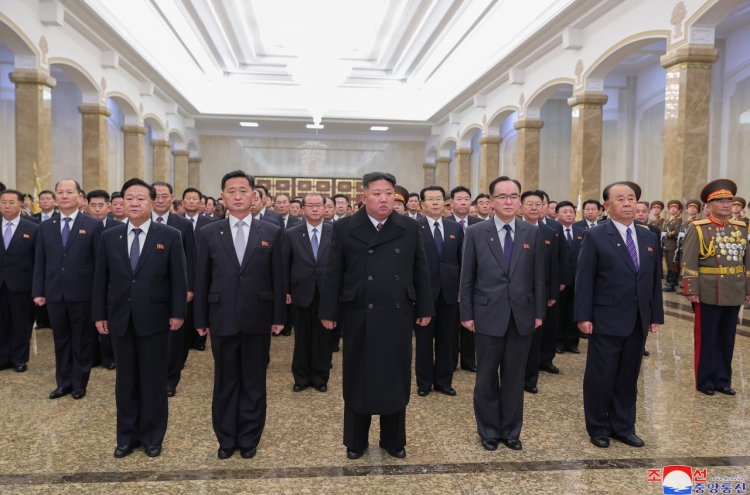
column 110, row 366
column 171, row 391
column 394, row 452
column 669, row 288
column 559, row 351
column 646, row 353
column 225, row 452
column 574, row 350
column 286, row 333
column 632, row 440
column 125, row 450
column 513, row 444
column 490, row 444
column 79, row 393
column 60, row 392
column 199, row 347
column 249, row 452
column 354, row 454
column 531, row 390
column 6, row 366
column 549, row 368
column 298, row 388
column 725, row 390
column 153, row 450
column 322, row 388
column 706, row 391
column 423, row 393
column 20, row 368
column 447, row 391
column 601, row 442
column 472, row 369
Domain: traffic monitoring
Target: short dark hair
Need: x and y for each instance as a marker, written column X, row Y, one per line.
column 482, row 196
column 98, row 193
column 2, row 187
column 564, row 203
column 327, row 198
column 78, row 186
column 238, row 174
column 459, row 189
column 304, row 199
column 47, row 191
column 414, row 195
column 176, row 203
column 648, row 205
column 526, row 194
column 431, row 188
column 502, row 178
column 115, row 195
column 263, row 188
column 19, row 194
column 367, row 179
column 191, row 190
column 282, row 194
column 163, row 184
column 605, row 193
column 544, row 195
column 592, row 202
column 339, row 195
column 135, row 181
column 300, row 201
column 212, row 199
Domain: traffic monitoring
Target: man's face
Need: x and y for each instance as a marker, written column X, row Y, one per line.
column 532, row 208
column 267, row 201
column 256, row 203
column 68, row 198
column 736, row 209
column 674, row 210
column 164, row 200
column 10, row 205
column 692, row 210
column 378, row 199
column 621, row 204
column 282, row 204
column 191, row 203
column 483, row 206
column 341, row 204
column 566, row 215
column 314, row 208
column 294, row 209
column 202, row 207
column 461, row 203
column 551, row 213
column 413, row 204
column 27, row 202
column 210, row 206
column 590, row 212
column 433, row 204
column 328, row 210
column 238, row 196
column 721, row 208
column 473, row 210
column 83, row 204
column 118, row 208
column 641, row 213
column 399, row 207
column 656, row 211
column 98, row 208
column 506, row 200
column 138, row 204
column 46, row 202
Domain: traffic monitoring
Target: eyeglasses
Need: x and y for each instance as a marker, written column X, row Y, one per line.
column 314, row 206
column 434, row 200
column 505, row 197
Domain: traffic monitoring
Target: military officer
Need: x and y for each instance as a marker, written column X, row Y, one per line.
column 656, row 209
column 670, row 236
column 693, row 207
column 738, row 209
column 716, row 282
column 401, row 196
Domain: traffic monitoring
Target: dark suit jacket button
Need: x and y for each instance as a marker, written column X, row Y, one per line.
column 398, row 305
column 133, row 280
column 370, row 251
column 396, row 277
column 63, row 268
column 369, row 278
column 240, row 277
column 398, row 251
column 369, row 306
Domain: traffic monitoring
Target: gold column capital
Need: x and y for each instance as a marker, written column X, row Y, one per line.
column 180, row 153
column 463, row 151
column 32, row 77
column 442, row 159
column 533, row 125
column 429, row 166
column 588, row 99
column 94, row 109
column 157, row 143
column 133, row 129
column 490, row 140
column 700, row 55
column 195, row 159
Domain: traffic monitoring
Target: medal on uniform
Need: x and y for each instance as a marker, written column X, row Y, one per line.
column 736, row 258
column 723, row 252
column 729, row 258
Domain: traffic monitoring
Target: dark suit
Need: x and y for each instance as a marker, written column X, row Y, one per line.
column 40, row 312
column 270, row 220
column 192, row 338
column 291, row 222
column 548, row 348
column 621, row 302
column 504, row 318
column 65, row 277
column 137, row 306
column 103, row 352
column 240, row 302
column 436, row 368
column 30, row 218
column 16, row 304
column 377, row 283
column 311, row 362
column 275, row 215
column 568, row 333
column 463, row 339
column 584, row 224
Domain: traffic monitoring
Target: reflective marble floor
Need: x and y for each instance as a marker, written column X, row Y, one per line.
column 65, row 446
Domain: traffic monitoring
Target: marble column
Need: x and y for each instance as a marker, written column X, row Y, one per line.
column 586, row 145
column 463, row 166
column 194, row 171
column 527, row 152
column 489, row 161
column 687, row 120
column 443, row 172
column 95, row 146
column 180, row 171
column 33, row 127
column 134, row 149
column 161, row 159
column 429, row 174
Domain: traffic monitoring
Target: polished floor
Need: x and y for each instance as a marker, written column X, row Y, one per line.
column 65, row 446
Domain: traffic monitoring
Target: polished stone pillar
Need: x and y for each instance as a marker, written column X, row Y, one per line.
column 443, row 172
column 161, row 159
column 429, row 174
column 586, row 144
column 463, row 166
column 33, row 127
column 194, row 171
column 95, row 146
column 489, row 161
column 134, row 149
column 687, row 120
column 180, row 171
column 527, row 152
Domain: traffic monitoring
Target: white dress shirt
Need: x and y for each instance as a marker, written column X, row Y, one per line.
column 141, row 237
column 72, row 217
column 415, row 216
column 623, row 230
column 164, row 217
column 285, row 219
column 13, row 225
column 431, row 222
column 591, row 224
column 336, row 217
column 376, row 222
column 245, row 230
column 500, row 225
column 47, row 216
column 193, row 220
column 310, row 231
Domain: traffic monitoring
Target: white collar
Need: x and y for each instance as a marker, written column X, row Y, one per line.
column 622, row 228
column 14, row 221
column 187, row 215
column 376, row 222
column 501, row 225
column 164, row 217
column 233, row 220
column 144, row 226
column 72, row 216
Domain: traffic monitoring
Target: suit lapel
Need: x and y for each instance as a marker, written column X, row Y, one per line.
column 56, row 219
column 73, row 231
column 307, row 244
column 642, row 247
column 520, row 237
column 493, row 239
column 17, row 235
column 253, row 238
column 225, row 236
column 391, row 229
column 325, row 240
column 616, row 239
column 148, row 245
column 428, row 236
column 361, row 228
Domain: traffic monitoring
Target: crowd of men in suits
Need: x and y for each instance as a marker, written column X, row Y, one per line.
column 498, row 284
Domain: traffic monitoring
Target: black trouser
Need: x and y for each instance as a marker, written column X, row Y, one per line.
column 549, row 335
column 357, row 429
column 105, row 349
column 288, row 319
column 16, row 324
column 74, row 342
column 463, row 344
column 311, row 362
column 41, row 316
column 177, row 352
column 141, row 387
column 239, row 400
column 188, row 336
column 435, row 367
column 568, row 333
column 715, row 330
column 335, row 337
column 498, row 405
column 531, row 372
column 610, row 382
column 669, row 261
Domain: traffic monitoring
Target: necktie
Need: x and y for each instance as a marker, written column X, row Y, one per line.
column 239, row 241
column 570, row 239
column 8, row 235
column 66, row 230
column 135, row 249
column 160, row 219
column 314, row 242
column 380, row 226
column 508, row 248
column 631, row 249
column 438, row 238
column 463, row 225
column 45, row 217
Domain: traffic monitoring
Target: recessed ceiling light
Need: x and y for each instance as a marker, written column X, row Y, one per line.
column 315, row 126
column 249, row 124
column 378, row 128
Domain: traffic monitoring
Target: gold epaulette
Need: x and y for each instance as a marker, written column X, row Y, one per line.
column 644, row 226
column 737, row 222
column 705, row 221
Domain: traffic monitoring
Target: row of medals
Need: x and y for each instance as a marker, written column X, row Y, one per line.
column 732, row 246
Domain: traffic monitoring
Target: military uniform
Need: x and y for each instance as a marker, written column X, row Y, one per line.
column 714, row 264
column 657, row 222
column 670, row 238
column 741, row 202
column 681, row 238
